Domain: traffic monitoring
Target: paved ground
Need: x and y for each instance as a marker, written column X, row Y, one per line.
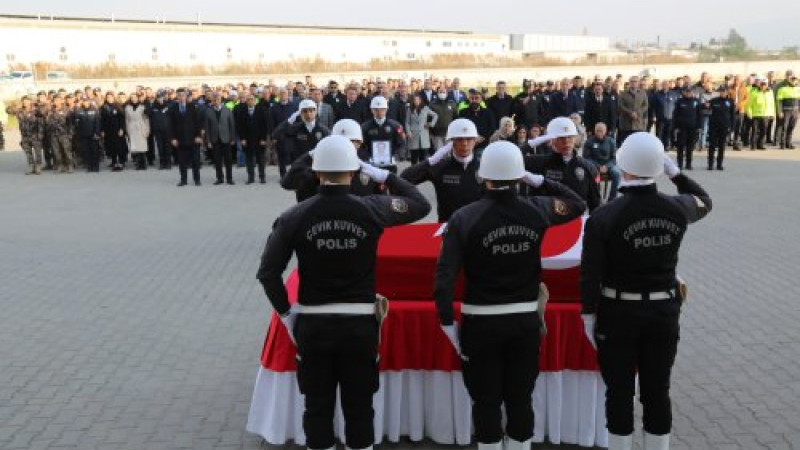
column 131, row 318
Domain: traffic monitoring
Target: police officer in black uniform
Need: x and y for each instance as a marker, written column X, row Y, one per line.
column 686, row 122
column 497, row 241
column 381, row 131
column 452, row 170
column 301, row 179
column 630, row 291
column 720, row 123
column 159, row 130
column 304, row 134
column 564, row 165
column 335, row 236
column 87, row 130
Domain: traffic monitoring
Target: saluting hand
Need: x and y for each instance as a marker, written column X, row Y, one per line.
column 670, row 168
column 533, row 179
column 377, row 175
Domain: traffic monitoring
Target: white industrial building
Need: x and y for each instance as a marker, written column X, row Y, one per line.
column 70, row 41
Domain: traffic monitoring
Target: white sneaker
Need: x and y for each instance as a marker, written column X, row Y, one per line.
column 617, row 442
column 511, row 444
column 656, row 442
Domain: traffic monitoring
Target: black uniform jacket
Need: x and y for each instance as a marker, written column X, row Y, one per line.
column 455, row 185
column 578, row 174
column 497, row 241
column 335, row 236
column 631, row 243
column 301, row 179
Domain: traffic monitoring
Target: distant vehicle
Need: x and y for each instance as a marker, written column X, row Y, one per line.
column 20, row 75
column 56, row 75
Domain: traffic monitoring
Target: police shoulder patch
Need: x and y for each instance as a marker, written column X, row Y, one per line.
column 399, row 206
column 580, row 173
column 364, row 178
column 560, row 207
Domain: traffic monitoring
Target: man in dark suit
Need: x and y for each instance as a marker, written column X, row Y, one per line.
column 456, row 94
column 352, row 107
column 251, row 127
column 186, row 135
column 279, row 114
column 600, row 108
column 220, row 135
column 500, row 104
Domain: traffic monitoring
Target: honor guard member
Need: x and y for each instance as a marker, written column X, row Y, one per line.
column 720, row 123
column 497, row 241
column 31, row 129
column 630, row 290
column 59, row 128
column 335, row 237
column 383, row 138
column 304, row 134
column 686, row 122
column 300, row 177
column 452, row 170
column 87, row 130
column 564, row 165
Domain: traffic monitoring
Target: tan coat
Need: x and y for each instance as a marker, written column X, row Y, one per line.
column 628, row 104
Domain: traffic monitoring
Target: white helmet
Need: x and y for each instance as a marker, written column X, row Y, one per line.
column 561, row 127
column 461, row 128
column 307, row 104
column 348, row 128
column 501, row 161
column 379, row 102
column 641, row 155
column 335, row 154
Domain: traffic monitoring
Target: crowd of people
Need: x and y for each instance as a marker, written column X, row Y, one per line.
column 251, row 125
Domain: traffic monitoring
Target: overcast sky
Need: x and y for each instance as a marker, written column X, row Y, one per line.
column 765, row 24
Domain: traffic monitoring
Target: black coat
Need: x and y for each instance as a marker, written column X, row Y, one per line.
column 186, row 126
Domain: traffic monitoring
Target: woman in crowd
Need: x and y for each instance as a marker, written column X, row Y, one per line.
column 138, row 128
column 419, row 120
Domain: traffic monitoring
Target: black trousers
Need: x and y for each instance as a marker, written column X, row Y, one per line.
column 759, row 132
column 189, row 155
column 151, row 149
column 687, row 138
column 770, row 135
column 716, row 144
column 500, row 363
column 254, row 155
column 788, row 121
column 140, row 160
column 284, row 158
column 664, row 132
column 747, row 129
column 223, row 156
column 419, row 154
column 637, row 336
column 738, row 119
column 337, row 351
column 90, row 148
column 162, row 146
column 116, row 149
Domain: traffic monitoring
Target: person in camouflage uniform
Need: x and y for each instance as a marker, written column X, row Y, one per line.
column 43, row 104
column 59, row 129
column 31, row 128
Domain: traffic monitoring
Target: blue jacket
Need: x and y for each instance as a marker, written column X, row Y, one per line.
column 664, row 104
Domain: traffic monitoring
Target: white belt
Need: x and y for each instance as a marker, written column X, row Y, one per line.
column 337, row 308
column 494, row 310
column 613, row 293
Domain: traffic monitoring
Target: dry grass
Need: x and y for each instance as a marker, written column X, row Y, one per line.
column 435, row 62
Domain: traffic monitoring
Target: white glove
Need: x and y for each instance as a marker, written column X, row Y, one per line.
column 289, row 320
column 451, row 331
column 533, row 179
column 293, row 117
column 377, row 175
column 588, row 328
column 440, row 154
column 311, row 154
column 670, row 168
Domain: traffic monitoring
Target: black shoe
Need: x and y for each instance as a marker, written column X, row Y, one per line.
column 263, row 181
column 182, row 183
column 688, row 167
column 710, row 167
column 231, row 182
column 218, row 182
column 720, row 167
column 736, row 147
column 761, row 147
column 250, row 182
column 198, row 183
column 790, row 146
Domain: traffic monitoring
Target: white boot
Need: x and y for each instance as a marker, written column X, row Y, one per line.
column 656, row 442
column 617, row 442
column 492, row 446
column 511, row 444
